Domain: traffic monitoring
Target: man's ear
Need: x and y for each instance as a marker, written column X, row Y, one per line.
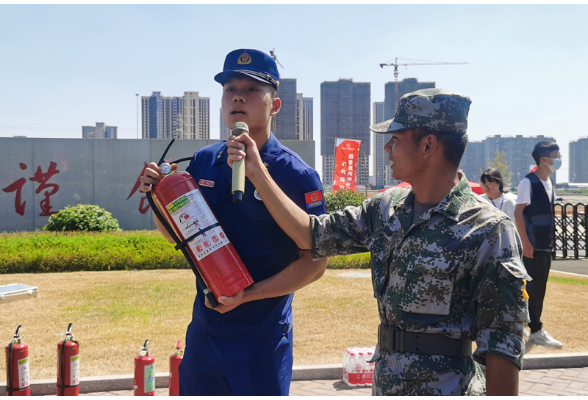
column 276, row 106
column 430, row 145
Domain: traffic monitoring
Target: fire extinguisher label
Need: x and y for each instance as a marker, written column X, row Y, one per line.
column 149, row 378
column 209, row 242
column 191, row 213
column 74, row 370
column 23, row 373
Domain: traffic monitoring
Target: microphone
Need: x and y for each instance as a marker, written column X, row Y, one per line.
column 238, row 187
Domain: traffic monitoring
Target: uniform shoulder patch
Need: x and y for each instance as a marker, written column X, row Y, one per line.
column 314, row 199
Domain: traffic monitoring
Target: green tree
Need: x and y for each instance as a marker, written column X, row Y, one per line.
column 502, row 166
column 343, row 198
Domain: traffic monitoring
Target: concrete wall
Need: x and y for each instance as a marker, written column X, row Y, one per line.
column 90, row 171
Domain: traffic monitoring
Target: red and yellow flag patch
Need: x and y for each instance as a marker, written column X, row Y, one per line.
column 314, row 199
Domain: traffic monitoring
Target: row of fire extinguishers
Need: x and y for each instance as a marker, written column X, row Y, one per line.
column 68, row 368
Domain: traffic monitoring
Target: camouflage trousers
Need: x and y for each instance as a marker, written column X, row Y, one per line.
column 401, row 374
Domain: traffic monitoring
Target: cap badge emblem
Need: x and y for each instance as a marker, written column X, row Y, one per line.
column 244, row 59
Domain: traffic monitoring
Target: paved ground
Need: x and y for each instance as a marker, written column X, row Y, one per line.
column 539, row 382
column 579, row 266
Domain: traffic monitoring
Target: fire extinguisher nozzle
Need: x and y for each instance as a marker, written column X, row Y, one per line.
column 146, row 342
column 17, row 333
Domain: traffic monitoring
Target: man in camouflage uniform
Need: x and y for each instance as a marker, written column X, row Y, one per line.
column 446, row 265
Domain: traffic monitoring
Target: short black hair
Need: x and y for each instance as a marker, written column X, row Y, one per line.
column 453, row 145
column 543, row 149
column 493, row 175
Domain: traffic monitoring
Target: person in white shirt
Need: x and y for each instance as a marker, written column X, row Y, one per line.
column 495, row 194
column 535, row 222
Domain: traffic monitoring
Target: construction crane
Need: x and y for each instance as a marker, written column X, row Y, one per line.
column 273, row 55
column 395, row 64
column 410, row 63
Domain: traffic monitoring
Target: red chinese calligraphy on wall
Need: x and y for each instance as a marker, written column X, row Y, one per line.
column 41, row 178
column 144, row 205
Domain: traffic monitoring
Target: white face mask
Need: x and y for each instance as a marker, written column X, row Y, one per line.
column 556, row 164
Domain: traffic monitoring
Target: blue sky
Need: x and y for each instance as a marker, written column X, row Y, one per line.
column 65, row 66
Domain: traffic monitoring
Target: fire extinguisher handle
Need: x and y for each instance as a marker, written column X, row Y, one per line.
column 209, row 295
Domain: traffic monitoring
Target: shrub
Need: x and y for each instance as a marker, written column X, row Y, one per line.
column 343, row 198
column 83, row 217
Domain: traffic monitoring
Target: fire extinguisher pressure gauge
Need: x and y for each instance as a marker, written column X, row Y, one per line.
column 165, row 168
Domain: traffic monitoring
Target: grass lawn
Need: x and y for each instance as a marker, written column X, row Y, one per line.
column 114, row 312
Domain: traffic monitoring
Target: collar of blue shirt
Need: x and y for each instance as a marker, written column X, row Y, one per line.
column 271, row 149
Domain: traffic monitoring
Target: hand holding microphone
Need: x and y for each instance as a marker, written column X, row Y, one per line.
column 238, row 187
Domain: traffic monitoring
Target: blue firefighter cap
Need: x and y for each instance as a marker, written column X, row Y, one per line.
column 253, row 63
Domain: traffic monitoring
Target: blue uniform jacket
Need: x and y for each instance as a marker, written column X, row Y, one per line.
column 262, row 245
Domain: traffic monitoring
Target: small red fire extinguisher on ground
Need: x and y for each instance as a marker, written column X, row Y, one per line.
column 17, row 367
column 174, row 365
column 145, row 372
column 68, row 365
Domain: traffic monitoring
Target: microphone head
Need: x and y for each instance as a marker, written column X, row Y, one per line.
column 239, row 128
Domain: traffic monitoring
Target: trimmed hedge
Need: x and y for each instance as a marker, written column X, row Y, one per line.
column 27, row 252
column 86, row 251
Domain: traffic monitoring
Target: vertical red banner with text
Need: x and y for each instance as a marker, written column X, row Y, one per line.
column 346, row 157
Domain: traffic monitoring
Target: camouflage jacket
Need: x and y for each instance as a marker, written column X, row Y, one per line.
column 456, row 271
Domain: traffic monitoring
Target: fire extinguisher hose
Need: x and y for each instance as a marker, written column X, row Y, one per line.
column 179, row 244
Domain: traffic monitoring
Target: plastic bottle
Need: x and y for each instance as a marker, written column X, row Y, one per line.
column 351, row 368
column 371, row 366
column 363, row 368
column 345, row 362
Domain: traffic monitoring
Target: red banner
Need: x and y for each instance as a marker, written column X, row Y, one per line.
column 346, row 156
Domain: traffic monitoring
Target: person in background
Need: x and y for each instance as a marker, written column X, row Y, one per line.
column 536, row 224
column 494, row 192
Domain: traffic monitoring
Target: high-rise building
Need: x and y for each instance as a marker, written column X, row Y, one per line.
column 307, row 118
column 225, row 131
column 304, row 117
column 186, row 117
column 295, row 119
column 393, row 92
column 345, row 114
column 579, row 161
column 299, row 116
column 284, row 123
column 100, row 131
column 379, row 156
column 517, row 150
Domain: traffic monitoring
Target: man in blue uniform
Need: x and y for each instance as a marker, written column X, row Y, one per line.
column 248, row 350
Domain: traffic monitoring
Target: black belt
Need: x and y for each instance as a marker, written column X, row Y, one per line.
column 394, row 340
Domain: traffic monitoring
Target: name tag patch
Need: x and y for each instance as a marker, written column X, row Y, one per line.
column 314, row 199
column 204, row 182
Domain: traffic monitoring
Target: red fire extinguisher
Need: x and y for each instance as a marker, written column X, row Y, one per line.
column 174, row 365
column 68, row 365
column 180, row 206
column 145, row 372
column 17, row 367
